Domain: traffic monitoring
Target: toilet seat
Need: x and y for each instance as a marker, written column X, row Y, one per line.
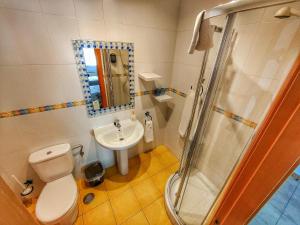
column 56, row 199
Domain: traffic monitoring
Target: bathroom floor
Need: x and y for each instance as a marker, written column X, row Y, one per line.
column 134, row 199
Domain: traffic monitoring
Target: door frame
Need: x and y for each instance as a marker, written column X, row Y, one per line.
column 13, row 211
column 271, row 157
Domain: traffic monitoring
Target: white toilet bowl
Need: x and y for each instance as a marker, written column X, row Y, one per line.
column 57, row 203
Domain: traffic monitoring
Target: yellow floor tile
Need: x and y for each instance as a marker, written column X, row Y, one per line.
column 79, row 221
column 137, row 174
column 167, row 159
column 173, row 168
column 101, row 215
column 152, row 166
column 81, row 184
column 146, row 192
column 156, row 213
column 144, row 156
column 160, row 180
column 100, row 197
column 138, row 219
column 160, row 150
column 134, row 161
column 111, row 171
column 30, row 205
column 116, row 185
column 80, row 206
column 125, row 205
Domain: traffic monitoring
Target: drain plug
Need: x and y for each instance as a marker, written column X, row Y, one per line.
column 88, row 198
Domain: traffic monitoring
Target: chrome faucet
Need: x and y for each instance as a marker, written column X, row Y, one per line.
column 117, row 124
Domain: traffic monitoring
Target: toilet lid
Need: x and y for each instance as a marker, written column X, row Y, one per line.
column 56, row 198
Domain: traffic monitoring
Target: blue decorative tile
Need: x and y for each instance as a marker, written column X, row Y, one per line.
column 284, row 220
column 292, row 210
column 267, row 215
column 283, row 208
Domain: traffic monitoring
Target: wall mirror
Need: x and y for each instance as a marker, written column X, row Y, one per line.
column 107, row 74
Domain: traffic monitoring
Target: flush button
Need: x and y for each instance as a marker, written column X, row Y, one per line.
column 49, row 152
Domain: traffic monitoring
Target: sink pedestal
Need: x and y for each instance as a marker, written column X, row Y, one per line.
column 109, row 137
column 122, row 160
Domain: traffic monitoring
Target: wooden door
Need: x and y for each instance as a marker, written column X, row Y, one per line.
column 272, row 156
column 12, row 211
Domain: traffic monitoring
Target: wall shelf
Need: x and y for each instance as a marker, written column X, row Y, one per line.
column 149, row 76
column 163, row 98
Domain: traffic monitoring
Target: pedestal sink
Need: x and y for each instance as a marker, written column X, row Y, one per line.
column 120, row 140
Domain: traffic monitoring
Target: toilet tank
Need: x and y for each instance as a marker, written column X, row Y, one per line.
column 53, row 162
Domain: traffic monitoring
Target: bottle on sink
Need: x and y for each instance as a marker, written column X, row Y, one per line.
column 133, row 116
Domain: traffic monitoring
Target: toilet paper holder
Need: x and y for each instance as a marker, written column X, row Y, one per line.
column 148, row 116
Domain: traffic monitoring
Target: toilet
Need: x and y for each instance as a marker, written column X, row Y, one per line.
column 57, row 203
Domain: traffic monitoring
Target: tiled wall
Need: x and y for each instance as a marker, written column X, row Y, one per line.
column 37, row 68
column 263, row 51
column 186, row 67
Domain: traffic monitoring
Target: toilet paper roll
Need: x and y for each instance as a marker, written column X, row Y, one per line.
column 148, row 135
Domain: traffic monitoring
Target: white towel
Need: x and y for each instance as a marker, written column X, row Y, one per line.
column 148, row 135
column 186, row 113
column 202, row 38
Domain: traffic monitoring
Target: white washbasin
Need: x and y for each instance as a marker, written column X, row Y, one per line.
column 108, row 136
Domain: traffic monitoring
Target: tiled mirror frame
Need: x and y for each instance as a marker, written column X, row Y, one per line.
column 78, row 46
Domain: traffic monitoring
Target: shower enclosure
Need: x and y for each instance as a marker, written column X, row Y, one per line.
column 254, row 48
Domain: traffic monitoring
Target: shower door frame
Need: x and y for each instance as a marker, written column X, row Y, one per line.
column 244, row 194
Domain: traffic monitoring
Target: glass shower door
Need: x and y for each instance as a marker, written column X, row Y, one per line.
column 261, row 51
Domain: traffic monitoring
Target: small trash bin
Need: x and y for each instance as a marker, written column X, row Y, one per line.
column 94, row 174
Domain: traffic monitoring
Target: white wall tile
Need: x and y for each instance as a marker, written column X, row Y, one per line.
column 250, row 17
column 147, row 41
column 272, row 41
column 92, row 29
column 31, row 5
column 33, row 84
column 27, row 38
column 115, row 31
column 184, row 76
column 186, row 23
column 58, row 7
column 89, row 9
column 172, row 137
column 113, row 11
column 62, row 31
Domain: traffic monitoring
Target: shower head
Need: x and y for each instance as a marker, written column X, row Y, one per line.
column 286, row 12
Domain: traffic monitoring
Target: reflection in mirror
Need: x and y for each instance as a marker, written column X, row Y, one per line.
column 108, row 76
column 107, row 72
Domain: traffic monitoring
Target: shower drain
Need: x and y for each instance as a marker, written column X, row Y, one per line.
column 88, row 198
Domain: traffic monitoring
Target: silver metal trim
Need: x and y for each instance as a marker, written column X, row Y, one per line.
column 242, row 5
column 187, row 145
column 175, row 219
column 205, row 110
column 204, row 113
